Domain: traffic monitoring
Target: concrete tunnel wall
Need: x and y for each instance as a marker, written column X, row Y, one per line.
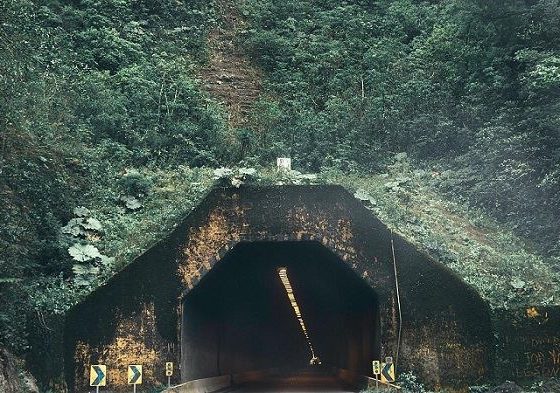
column 136, row 318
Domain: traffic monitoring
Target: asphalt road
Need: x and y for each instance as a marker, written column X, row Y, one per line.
column 301, row 383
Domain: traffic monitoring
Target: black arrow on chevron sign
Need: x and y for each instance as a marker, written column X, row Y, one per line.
column 136, row 375
column 100, row 375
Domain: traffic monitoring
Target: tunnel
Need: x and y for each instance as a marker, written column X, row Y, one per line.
column 209, row 298
column 239, row 318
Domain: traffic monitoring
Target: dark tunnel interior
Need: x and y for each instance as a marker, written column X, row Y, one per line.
column 239, row 318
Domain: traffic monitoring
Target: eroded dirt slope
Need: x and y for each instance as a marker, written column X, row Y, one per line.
column 229, row 76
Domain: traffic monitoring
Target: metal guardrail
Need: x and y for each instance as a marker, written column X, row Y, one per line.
column 205, row 385
column 383, row 382
column 353, row 378
column 219, row 383
column 215, row 384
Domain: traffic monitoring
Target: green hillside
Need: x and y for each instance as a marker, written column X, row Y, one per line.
column 443, row 117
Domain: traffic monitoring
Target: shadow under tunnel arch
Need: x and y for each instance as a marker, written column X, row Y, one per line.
column 239, row 318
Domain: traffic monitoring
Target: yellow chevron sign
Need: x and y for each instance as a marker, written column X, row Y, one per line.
column 98, row 375
column 135, row 374
column 387, row 372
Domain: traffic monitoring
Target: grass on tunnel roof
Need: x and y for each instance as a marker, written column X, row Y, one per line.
column 498, row 264
column 491, row 259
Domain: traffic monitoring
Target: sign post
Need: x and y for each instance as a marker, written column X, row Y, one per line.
column 135, row 375
column 168, row 372
column 98, row 376
column 376, row 364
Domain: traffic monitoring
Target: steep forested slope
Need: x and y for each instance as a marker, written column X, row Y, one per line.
column 100, row 108
column 113, row 105
column 470, row 88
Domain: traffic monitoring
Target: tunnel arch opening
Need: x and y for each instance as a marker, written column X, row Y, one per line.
column 238, row 318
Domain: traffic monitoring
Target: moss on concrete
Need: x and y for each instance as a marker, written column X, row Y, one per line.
column 498, row 264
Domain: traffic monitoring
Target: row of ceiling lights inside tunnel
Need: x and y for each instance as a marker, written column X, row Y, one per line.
column 283, row 274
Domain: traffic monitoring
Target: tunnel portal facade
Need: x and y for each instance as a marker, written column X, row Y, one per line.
column 208, row 297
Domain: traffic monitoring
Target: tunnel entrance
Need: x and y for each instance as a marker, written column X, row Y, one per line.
column 208, row 297
column 239, row 317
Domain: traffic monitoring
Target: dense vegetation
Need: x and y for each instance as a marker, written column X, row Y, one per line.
column 469, row 88
column 101, row 108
